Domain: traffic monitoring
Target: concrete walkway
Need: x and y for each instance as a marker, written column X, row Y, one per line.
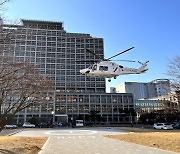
column 94, row 144
column 87, row 141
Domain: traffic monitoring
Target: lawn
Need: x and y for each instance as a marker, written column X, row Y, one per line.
column 21, row 145
column 163, row 140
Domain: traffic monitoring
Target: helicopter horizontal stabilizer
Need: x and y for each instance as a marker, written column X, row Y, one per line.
column 143, row 68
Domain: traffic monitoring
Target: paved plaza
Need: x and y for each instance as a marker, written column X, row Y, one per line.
column 87, row 141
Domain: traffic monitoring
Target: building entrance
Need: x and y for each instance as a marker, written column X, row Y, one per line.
column 63, row 118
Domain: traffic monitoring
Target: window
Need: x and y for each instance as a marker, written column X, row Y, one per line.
column 103, row 68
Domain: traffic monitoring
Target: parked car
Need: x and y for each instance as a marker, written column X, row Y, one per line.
column 79, row 123
column 163, row 126
column 43, row 125
column 59, row 123
column 14, row 126
column 28, row 125
column 10, row 126
column 176, row 126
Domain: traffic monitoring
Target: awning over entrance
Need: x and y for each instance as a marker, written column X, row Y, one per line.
column 61, row 118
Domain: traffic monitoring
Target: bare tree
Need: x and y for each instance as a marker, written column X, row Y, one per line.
column 174, row 72
column 20, row 87
column 3, row 2
column 2, row 8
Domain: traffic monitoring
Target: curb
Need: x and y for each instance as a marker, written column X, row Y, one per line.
column 43, row 146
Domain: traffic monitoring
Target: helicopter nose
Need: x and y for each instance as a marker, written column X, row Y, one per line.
column 82, row 71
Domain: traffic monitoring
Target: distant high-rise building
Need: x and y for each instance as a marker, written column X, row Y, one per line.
column 155, row 88
column 60, row 56
column 162, row 86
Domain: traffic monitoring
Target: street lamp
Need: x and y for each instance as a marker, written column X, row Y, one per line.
column 52, row 112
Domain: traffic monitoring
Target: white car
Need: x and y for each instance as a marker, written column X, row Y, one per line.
column 10, row 126
column 79, row 123
column 162, row 126
column 28, row 125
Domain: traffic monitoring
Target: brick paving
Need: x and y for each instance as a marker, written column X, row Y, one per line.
column 87, row 141
column 92, row 143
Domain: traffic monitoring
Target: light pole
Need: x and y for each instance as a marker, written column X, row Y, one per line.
column 52, row 112
column 131, row 119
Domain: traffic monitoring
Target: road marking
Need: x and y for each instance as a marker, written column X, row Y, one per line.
column 71, row 133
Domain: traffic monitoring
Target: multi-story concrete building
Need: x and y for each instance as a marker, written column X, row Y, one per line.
column 56, row 52
column 162, row 87
column 153, row 105
column 154, row 89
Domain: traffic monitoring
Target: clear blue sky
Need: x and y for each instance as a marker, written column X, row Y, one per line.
column 151, row 26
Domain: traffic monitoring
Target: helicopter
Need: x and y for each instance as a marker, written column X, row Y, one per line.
column 108, row 69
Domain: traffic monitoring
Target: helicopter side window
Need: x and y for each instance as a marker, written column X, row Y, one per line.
column 120, row 66
column 103, row 68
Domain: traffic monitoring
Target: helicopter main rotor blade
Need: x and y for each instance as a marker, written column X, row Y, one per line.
column 94, row 54
column 121, row 53
column 124, row 60
column 86, row 61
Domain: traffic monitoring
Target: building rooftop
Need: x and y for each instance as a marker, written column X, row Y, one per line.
column 29, row 21
column 40, row 23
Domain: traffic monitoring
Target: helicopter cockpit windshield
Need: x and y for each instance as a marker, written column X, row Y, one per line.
column 90, row 67
column 94, row 67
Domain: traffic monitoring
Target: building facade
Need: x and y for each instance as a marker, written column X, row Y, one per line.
column 154, row 89
column 152, row 105
column 60, row 56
